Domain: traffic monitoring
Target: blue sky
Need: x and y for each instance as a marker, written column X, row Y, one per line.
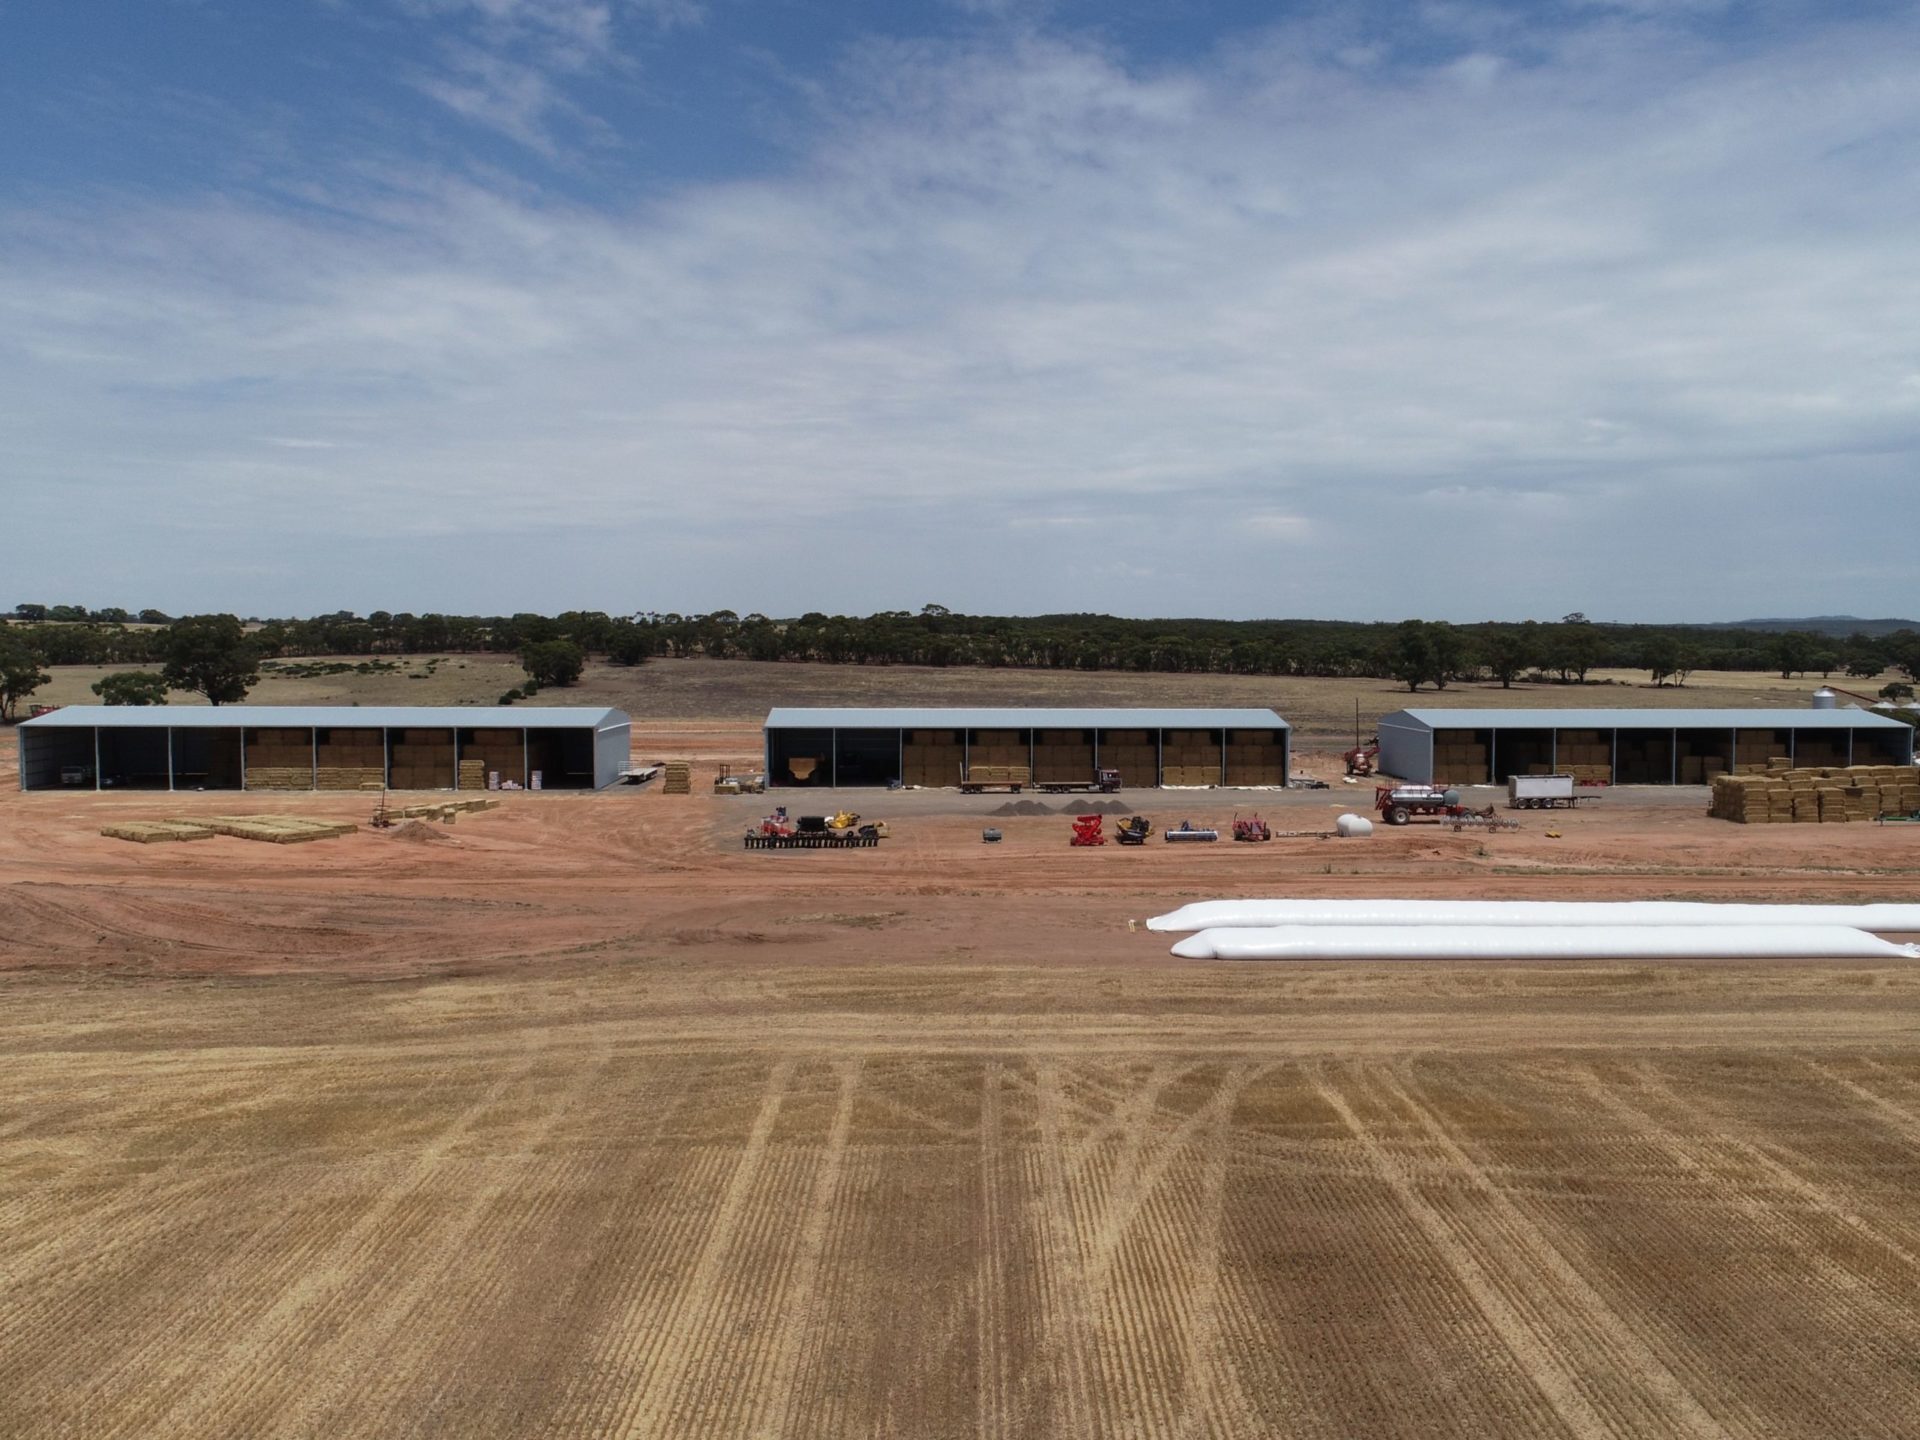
column 1456, row 309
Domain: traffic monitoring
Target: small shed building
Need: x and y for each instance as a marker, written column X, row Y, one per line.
column 1631, row 747
column 936, row 747
column 308, row 747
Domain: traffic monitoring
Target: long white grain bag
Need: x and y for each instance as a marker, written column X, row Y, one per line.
column 1218, row 914
column 1542, row 942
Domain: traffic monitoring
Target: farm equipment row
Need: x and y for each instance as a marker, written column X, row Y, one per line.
column 842, row 831
column 1134, row 830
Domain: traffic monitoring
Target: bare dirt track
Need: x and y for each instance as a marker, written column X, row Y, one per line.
column 587, row 1123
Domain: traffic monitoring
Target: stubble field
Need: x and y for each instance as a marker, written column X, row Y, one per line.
column 581, row 1121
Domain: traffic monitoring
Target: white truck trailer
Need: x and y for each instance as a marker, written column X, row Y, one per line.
column 1543, row 792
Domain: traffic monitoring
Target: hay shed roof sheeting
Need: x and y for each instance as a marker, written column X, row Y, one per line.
column 788, row 717
column 352, row 717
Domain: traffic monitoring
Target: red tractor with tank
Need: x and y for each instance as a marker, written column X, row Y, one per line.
column 1401, row 804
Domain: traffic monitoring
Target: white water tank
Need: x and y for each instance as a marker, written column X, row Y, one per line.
column 1825, row 699
column 1353, row 827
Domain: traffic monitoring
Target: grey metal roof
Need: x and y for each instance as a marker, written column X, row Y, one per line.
column 1742, row 718
column 345, row 717
column 790, row 717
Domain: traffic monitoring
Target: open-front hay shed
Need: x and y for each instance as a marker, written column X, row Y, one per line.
column 311, row 747
column 1631, row 747
column 938, row 747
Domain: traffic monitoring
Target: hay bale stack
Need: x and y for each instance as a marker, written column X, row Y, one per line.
column 155, row 832
column 676, row 778
column 278, row 759
column 1751, row 800
column 1134, row 753
column 1459, row 758
column 931, row 757
column 1816, row 794
column 1255, row 757
column 271, row 829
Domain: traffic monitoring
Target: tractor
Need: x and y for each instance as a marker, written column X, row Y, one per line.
column 1399, row 804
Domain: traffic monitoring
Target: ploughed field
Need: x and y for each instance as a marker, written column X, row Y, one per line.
column 583, row 1121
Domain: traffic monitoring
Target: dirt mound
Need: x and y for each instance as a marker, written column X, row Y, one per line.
column 1025, row 807
column 417, row 832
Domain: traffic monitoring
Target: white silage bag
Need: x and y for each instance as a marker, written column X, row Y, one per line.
column 1353, row 827
column 1542, row 942
column 1218, row 914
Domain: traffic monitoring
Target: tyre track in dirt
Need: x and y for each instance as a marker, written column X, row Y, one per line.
column 323, row 1285
column 437, row 1294
column 1068, row 1347
column 801, row 1315
column 1142, row 1222
column 1903, row 1121
column 1780, row 1166
column 1539, row 1352
column 685, row 1323
column 1425, row 1296
column 118, row 1283
column 1639, row 1374
column 1212, row 1402
column 1775, row 1309
column 996, row 1417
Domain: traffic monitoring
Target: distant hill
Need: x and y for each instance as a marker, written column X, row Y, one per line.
column 1819, row 625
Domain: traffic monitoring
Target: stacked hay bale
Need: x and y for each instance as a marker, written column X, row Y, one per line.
column 423, row 760
column 932, row 758
column 676, row 778
column 1827, row 795
column 1819, row 752
column 1134, row 753
column 1256, row 757
column 1643, row 759
column 351, row 760
column 1191, row 757
column 272, row 829
column 994, row 755
column 155, row 832
column 1700, row 768
column 1586, row 755
column 1751, row 799
column 1062, row 757
column 487, row 753
column 279, row 759
column 1760, row 752
column 1459, row 758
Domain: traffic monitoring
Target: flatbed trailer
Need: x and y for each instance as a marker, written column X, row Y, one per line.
column 981, row 778
column 1101, row 782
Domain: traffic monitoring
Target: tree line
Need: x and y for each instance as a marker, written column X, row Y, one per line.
column 218, row 656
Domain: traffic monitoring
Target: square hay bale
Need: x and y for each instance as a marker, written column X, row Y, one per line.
column 154, row 832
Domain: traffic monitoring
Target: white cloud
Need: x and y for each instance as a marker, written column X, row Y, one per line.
column 1596, row 304
column 505, row 64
